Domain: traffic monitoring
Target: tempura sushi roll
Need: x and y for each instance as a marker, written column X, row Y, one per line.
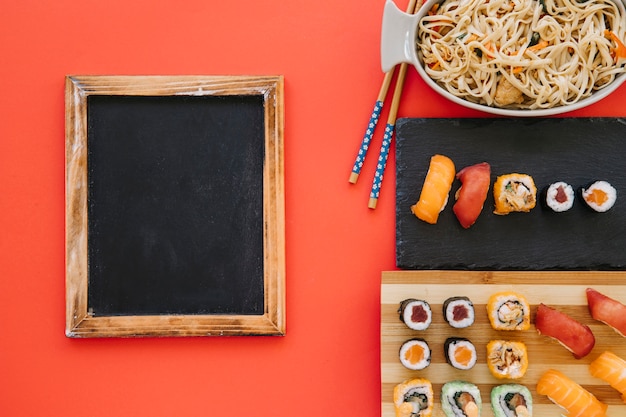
column 416, row 314
column 460, row 352
column 559, row 197
column 413, row 398
column 507, row 359
column 458, row 312
column 599, row 196
column 511, row 400
column 514, row 192
column 415, row 354
column 508, row 310
column 460, row 399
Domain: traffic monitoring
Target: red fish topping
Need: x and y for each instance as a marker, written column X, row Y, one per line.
column 471, row 196
column 573, row 335
column 607, row 310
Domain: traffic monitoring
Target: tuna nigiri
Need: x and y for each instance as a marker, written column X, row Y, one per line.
column 569, row 395
column 573, row 335
column 607, row 310
column 471, row 197
column 434, row 195
column 612, row 369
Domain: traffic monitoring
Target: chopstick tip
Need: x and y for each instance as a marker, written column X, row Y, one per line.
column 372, row 203
column 354, row 177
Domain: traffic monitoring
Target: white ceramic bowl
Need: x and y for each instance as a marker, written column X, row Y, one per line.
column 399, row 31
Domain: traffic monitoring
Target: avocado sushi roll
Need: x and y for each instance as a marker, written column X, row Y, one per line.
column 460, row 399
column 511, row 400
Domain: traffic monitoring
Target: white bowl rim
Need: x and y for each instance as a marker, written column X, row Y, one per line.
column 415, row 61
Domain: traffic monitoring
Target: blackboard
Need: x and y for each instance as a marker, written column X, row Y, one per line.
column 175, row 219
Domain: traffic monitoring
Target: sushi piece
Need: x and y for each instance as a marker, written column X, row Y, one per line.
column 569, row 332
column 514, row 192
column 416, row 314
column 567, row 394
column 507, row 359
column 511, row 400
column 458, row 312
column 415, row 354
column 599, row 196
column 559, row 197
column 612, row 369
column 460, row 399
column 460, row 352
column 434, row 195
column 607, row 310
column 508, row 310
column 413, row 398
column 470, row 198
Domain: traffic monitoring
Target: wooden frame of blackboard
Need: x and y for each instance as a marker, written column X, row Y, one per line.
column 80, row 320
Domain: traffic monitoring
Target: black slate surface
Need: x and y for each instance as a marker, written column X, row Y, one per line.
column 575, row 150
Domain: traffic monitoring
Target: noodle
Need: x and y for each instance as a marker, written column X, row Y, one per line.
column 523, row 54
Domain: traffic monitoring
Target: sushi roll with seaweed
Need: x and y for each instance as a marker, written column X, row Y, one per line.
column 413, row 398
column 508, row 310
column 460, row 399
column 458, row 312
column 507, row 359
column 599, row 196
column 416, row 314
column 559, row 197
column 514, row 192
column 511, row 400
column 415, row 354
column 460, row 352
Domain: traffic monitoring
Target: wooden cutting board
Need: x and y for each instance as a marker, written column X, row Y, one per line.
column 563, row 290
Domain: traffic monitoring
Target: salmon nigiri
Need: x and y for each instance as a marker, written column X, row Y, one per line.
column 607, row 310
column 437, row 185
column 570, row 396
column 612, row 369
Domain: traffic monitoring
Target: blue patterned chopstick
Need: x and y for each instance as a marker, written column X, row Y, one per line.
column 389, row 129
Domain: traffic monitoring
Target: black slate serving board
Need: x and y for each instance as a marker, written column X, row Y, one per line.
column 575, row 150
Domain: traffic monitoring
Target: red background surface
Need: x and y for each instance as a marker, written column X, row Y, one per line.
column 328, row 363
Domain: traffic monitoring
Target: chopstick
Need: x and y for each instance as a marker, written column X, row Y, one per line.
column 387, row 138
column 371, row 126
column 389, row 128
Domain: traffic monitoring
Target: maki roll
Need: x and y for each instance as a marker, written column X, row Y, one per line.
column 460, row 399
column 460, row 353
column 458, row 312
column 413, row 398
column 507, row 359
column 514, row 192
column 416, row 314
column 511, row 400
column 559, row 197
column 599, row 196
column 415, row 354
column 508, row 311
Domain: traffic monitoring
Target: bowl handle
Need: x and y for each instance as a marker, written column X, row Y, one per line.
column 398, row 37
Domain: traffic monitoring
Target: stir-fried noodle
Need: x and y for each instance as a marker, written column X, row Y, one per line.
column 525, row 54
